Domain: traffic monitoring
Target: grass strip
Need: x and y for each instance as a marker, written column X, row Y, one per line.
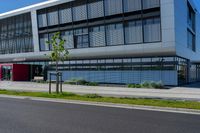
column 97, row 98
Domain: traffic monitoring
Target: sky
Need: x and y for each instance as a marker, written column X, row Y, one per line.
column 8, row 5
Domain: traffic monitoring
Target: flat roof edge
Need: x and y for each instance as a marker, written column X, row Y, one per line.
column 32, row 7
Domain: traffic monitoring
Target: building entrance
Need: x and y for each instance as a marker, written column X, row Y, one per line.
column 7, row 73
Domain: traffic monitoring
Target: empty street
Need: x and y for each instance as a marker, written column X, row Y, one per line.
column 28, row 116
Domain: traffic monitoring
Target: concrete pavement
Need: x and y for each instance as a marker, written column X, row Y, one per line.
column 191, row 92
column 27, row 116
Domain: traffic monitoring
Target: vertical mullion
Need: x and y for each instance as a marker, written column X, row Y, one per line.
column 142, row 19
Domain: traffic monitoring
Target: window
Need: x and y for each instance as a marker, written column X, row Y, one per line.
column 150, row 4
column 97, row 36
column 69, row 39
column 132, row 5
column 115, row 34
column 16, row 34
column 65, row 15
column 133, row 32
column 42, row 20
column 79, row 13
column 52, row 17
column 191, row 17
column 81, row 38
column 95, row 9
column 113, row 7
column 191, row 41
column 43, row 45
column 152, row 30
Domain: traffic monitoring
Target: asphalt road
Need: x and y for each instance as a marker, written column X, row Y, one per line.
column 27, row 116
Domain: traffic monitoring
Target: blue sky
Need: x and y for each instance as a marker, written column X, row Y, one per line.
column 8, row 5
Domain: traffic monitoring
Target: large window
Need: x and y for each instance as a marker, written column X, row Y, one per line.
column 191, row 41
column 133, row 32
column 97, row 36
column 113, row 7
column 81, row 39
column 150, row 4
column 115, row 34
column 95, row 9
column 191, row 17
column 52, row 16
column 132, row 5
column 191, row 38
column 152, row 30
column 79, row 13
column 65, row 15
column 42, row 20
column 69, row 39
column 43, row 45
column 16, row 34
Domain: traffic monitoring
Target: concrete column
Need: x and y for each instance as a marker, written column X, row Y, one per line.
column 35, row 31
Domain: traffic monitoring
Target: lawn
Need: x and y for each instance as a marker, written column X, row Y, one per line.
column 97, row 98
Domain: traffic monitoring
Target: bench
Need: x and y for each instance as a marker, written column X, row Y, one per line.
column 38, row 78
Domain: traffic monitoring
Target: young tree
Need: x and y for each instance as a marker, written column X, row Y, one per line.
column 58, row 53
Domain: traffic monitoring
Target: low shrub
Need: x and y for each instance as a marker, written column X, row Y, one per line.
column 134, row 86
column 80, row 82
column 93, row 96
column 138, row 86
column 92, row 84
column 131, row 85
column 146, row 84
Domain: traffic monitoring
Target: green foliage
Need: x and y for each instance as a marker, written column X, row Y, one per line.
column 146, row 84
column 58, row 53
column 134, row 86
column 97, row 98
column 80, row 82
column 93, row 96
column 92, row 84
column 156, row 85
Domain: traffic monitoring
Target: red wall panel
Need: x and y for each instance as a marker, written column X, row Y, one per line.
column 20, row 72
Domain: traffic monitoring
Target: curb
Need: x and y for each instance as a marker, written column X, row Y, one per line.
column 104, row 104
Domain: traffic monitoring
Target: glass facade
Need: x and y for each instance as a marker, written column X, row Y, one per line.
column 65, row 15
column 16, row 34
column 113, row 7
column 42, row 19
column 96, row 9
column 152, row 30
column 97, row 36
column 133, row 32
column 89, row 26
column 43, row 45
column 191, row 40
column 52, row 16
column 191, row 31
column 147, row 4
column 154, row 63
column 114, row 34
column 80, row 13
column 91, row 9
column 81, row 39
column 69, row 39
column 132, row 5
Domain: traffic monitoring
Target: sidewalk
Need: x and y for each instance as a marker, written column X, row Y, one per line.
column 191, row 92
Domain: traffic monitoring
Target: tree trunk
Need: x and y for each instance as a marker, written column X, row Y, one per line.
column 57, row 78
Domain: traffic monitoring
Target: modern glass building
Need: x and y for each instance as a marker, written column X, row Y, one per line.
column 110, row 41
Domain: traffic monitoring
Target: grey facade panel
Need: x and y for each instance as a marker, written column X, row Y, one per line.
column 123, row 77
